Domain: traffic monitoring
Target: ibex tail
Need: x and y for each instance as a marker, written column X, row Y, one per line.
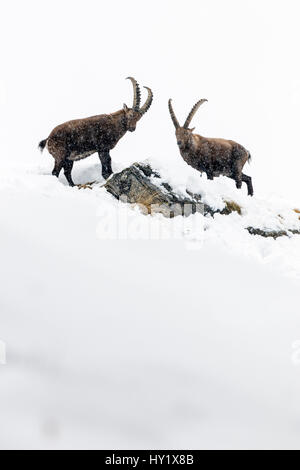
column 42, row 144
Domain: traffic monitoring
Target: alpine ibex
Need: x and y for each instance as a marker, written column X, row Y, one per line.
column 80, row 138
column 215, row 157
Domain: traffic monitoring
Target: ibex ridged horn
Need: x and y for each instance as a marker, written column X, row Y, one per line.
column 192, row 112
column 173, row 117
column 136, row 94
column 148, row 101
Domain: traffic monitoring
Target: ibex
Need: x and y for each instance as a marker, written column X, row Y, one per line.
column 80, row 138
column 215, row 157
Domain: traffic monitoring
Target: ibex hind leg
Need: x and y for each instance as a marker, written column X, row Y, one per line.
column 57, row 168
column 237, row 177
column 238, row 183
column 237, row 173
column 68, row 166
column 248, row 181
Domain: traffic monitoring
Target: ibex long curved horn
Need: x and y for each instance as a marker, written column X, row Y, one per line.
column 192, row 112
column 173, row 117
column 148, row 101
column 136, row 94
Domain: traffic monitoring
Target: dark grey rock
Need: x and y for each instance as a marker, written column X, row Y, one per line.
column 272, row 233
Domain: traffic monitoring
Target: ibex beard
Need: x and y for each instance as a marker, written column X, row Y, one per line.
column 80, row 138
column 215, row 157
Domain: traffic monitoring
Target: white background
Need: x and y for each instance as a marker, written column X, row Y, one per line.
column 66, row 59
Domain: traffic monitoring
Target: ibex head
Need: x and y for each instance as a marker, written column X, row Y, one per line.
column 184, row 134
column 134, row 114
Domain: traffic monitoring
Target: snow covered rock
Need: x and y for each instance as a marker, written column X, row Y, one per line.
column 142, row 185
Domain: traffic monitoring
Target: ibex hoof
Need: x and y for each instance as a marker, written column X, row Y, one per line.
column 106, row 176
column 86, row 185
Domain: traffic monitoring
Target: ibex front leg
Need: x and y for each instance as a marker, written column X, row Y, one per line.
column 106, row 163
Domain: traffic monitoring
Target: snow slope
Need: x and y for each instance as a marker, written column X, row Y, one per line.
column 115, row 340
column 126, row 331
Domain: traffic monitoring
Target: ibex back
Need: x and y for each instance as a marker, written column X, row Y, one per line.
column 80, row 138
column 215, row 157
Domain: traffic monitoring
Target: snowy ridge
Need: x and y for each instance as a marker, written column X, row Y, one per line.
column 85, row 320
column 262, row 212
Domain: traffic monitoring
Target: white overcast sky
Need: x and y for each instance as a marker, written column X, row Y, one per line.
column 64, row 59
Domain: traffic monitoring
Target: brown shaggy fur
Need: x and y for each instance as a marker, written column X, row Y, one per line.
column 214, row 157
column 80, row 138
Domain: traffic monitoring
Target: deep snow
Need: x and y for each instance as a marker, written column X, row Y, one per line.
column 184, row 342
